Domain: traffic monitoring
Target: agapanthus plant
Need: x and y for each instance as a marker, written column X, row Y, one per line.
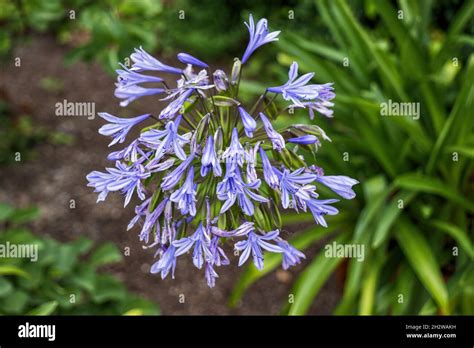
column 210, row 169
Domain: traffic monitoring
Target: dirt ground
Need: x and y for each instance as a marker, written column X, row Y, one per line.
column 57, row 174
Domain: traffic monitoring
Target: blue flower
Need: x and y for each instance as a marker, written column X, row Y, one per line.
column 172, row 179
column 209, row 159
column 127, row 77
column 249, row 123
column 134, row 92
column 121, row 178
column 291, row 255
column 166, row 141
column 144, row 61
column 129, row 153
column 255, row 243
column 321, row 208
column 166, row 263
column 235, row 153
column 258, row 36
column 291, row 184
column 151, row 219
column 252, row 175
column 268, row 171
column 232, row 188
column 175, row 106
column 200, row 240
column 275, row 137
column 297, row 90
column 118, row 128
column 189, row 59
column 185, row 197
column 220, row 80
column 342, row 185
column 322, row 106
column 304, row 140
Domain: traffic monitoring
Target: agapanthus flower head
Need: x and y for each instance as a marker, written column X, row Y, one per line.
column 209, row 169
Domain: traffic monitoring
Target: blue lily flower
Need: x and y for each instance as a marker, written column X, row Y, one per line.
column 291, row 186
column 134, row 92
column 268, row 171
column 254, row 244
column 200, row 240
column 185, row 197
column 118, row 128
column 249, row 123
column 259, row 36
column 297, row 90
column 307, row 139
column 166, row 141
column 144, row 61
column 166, row 263
column 232, row 188
column 189, row 59
column 340, row 184
column 277, row 140
column 209, row 159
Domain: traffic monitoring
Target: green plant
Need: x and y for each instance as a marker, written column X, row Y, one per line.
column 63, row 279
column 415, row 212
column 102, row 31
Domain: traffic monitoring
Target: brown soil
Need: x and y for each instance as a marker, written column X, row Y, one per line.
column 57, row 174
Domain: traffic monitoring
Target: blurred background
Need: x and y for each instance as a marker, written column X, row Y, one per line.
column 414, row 207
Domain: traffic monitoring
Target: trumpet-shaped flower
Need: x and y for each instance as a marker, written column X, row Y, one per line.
column 340, row 184
column 142, row 60
column 189, row 59
column 259, row 35
column 200, row 240
column 209, row 159
column 118, row 128
column 232, row 189
column 275, row 137
column 254, row 244
column 166, row 263
column 185, row 196
column 166, row 141
column 249, row 123
column 297, row 89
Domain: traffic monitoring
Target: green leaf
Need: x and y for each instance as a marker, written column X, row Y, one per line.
column 105, row 254
column 220, row 100
column 459, row 235
column 6, row 287
column 273, row 260
column 20, row 216
column 313, row 278
column 457, row 118
column 369, row 286
column 5, row 211
column 47, row 308
column 423, row 261
column 389, row 216
column 420, row 183
column 15, row 302
column 13, row 270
